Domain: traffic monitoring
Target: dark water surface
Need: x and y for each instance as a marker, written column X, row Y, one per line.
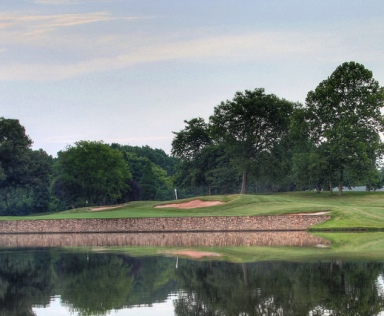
column 53, row 281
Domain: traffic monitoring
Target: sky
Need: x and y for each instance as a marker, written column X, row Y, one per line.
column 57, row 308
column 131, row 71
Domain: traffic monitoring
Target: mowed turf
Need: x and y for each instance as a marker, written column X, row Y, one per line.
column 353, row 210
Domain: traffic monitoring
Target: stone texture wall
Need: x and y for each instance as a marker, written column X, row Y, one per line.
column 165, row 224
column 176, row 239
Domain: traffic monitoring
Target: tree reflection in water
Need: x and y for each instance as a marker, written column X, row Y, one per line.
column 97, row 283
column 25, row 277
column 94, row 284
column 278, row 288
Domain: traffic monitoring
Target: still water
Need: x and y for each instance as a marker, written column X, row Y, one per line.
column 88, row 281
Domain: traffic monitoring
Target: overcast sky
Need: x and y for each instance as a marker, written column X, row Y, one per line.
column 131, row 71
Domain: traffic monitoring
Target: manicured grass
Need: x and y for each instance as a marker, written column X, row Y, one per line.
column 353, row 210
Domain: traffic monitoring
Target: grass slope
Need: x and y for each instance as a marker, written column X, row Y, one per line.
column 353, row 210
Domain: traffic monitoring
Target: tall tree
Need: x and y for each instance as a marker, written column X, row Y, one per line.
column 39, row 181
column 248, row 125
column 310, row 169
column 14, row 148
column 189, row 142
column 193, row 145
column 163, row 167
column 91, row 172
column 24, row 173
column 155, row 155
column 148, row 183
column 345, row 120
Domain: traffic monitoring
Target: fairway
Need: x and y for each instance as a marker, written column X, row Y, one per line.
column 353, row 210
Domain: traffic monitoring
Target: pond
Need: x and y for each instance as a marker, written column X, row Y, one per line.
column 133, row 280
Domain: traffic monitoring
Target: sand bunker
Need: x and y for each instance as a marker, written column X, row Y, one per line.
column 194, row 254
column 104, row 208
column 311, row 214
column 191, row 204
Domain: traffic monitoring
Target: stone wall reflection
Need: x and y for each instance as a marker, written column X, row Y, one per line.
column 185, row 239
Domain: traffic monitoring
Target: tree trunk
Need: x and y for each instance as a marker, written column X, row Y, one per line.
column 330, row 183
column 341, row 180
column 209, row 189
column 244, row 182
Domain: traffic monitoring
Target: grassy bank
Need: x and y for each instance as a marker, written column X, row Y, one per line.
column 353, row 210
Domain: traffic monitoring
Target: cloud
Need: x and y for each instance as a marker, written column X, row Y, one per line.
column 29, row 24
column 67, row 2
column 104, row 50
column 251, row 47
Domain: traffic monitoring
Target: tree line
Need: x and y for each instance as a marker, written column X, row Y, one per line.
column 256, row 142
column 87, row 173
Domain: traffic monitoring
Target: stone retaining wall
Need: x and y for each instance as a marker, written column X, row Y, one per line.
column 165, row 224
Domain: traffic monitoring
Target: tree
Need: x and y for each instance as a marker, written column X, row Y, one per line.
column 189, row 142
column 27, row 280
column 94, row 284
column 148, row 183
column 251, row 123
column 193, row 145
column 345, row 121
column 310, row 169
column 273, row 173
column 24, row 173
column 375, row 180
column 210, row 172
column 163, row 167
column 14, row 148
column 91, row 172
column 156, row 156
column 39, row 180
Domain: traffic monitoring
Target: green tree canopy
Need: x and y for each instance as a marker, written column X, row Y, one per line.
column 91, row 171
column 193, row 145
column 344, row 116
column 148, row 183
column 163, row 167
column 24, row 173
column 155, row 155
column 189, row 142
column 14, row 147
column 249, row 124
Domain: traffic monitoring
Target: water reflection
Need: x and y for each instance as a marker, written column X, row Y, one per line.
column 282, row 289
column 98, row 283
column 185, row 239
